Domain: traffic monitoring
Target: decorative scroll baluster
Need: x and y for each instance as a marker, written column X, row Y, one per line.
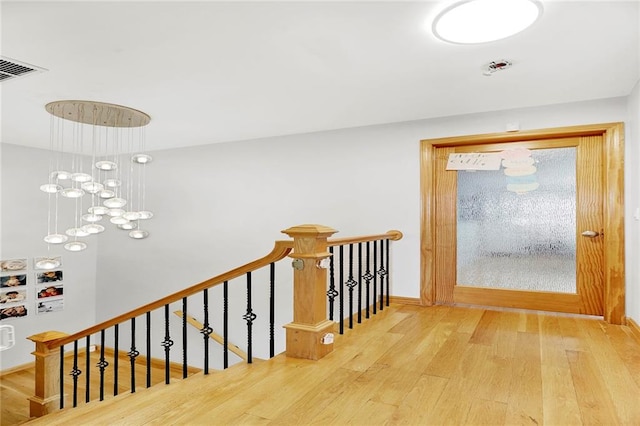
column 206, row 330
column 375, row 278
column 133, row 354
column 367, row 278
column 102, row 364
column 359, row 283
column 116, row 357
column 331, row 293
column 184, row 338
column 341, row 289
column 351, row 283
column 386, row 272
column 383, row 273
column 75, row 372
column 225, row 323
column 61, row 377
column 249, row 317
column 272, row 310
column 166, row 343
column 87, row 367
column 148, row 315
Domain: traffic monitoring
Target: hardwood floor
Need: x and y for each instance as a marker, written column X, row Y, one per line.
column 417, row 366
column 17, row 386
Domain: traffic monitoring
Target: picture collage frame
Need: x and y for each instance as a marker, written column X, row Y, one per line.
column 25, row 290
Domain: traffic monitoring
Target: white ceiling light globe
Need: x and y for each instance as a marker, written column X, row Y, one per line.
column 50, row 188
column 75, row 246
column 482, row 21
column 106, row 165
column 72, row 192
column 56, row 238
column 138, row 234
column 93, row 228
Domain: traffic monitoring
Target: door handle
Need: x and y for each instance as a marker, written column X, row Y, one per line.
column 590, row 234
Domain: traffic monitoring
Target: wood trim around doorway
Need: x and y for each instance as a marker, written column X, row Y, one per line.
column 613, row 159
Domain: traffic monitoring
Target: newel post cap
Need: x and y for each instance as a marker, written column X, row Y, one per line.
column 47, row 336
column 309, row 230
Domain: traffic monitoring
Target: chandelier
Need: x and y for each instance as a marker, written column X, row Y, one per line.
column 97, row 163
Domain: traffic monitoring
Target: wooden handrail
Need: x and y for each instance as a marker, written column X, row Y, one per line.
column 279, row 252
column 392, row 235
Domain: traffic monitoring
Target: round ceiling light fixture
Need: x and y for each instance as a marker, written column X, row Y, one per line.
column 482, row 21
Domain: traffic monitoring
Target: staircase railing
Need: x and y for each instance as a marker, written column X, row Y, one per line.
column 307, row 336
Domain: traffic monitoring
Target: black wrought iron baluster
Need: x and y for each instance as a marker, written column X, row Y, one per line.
column 375, row 278
column 249, row 317
column 331, row 293
column 359, row 283
column 87, row 367
column 116, row 357
column 225, row 324
column 386, row 271
column 133, row 354
column 351, row 283
column 367, row 278
column 61, row 388
column 102, row 364
column 184, row 338
column 148, row 315
column 383, row 274
column 341, row 289
column 75, row 372
column 206, row 329
column 166, row 343
column 272, row 310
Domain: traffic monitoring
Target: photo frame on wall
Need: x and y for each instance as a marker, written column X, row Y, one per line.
column 11, row 265
column 13, row 280
column 48, row 276
column 10, row 296
column 13, row 312
column 42, row 263
column 49, row 291
column 48, row 306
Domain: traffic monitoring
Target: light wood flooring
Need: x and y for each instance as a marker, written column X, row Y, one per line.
column 413, row 366
column 17, row 386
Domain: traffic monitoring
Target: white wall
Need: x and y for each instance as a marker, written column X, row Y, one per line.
column 632, row 204
column 219, row 206
column 24, row 224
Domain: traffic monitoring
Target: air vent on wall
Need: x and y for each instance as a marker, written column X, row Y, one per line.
column 11, row 69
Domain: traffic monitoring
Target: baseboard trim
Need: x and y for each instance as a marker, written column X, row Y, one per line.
column 635, row 328
column 32, row 364
column 17, row 368
column 175, row 367
column 401, row 300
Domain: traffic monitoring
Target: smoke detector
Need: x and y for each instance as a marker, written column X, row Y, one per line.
column 495, row 66
column 11, row 69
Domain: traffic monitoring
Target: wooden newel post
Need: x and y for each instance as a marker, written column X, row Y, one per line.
column 47, row 396
column 309, row 336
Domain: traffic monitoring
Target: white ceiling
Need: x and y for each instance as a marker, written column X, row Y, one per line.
column 209, row 72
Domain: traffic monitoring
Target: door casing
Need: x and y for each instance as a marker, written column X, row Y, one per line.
column 613, row 224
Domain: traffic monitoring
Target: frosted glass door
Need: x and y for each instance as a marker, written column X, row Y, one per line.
column 516, row 227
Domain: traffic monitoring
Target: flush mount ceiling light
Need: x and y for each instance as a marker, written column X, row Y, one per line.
column 482, row 21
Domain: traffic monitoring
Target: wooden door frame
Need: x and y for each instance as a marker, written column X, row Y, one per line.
column 613, row 153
